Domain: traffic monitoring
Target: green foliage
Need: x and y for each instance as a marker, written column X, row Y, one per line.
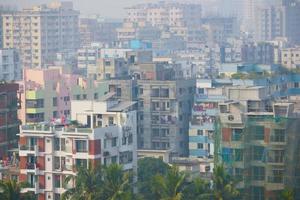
column 88, row 182
column 116, row 183
column 224, row 187
column 11, row 190
column 156, row 180
column 101, row 183
column 197, row 189
column 170, row 186
column 287, row 194
column 147, row 169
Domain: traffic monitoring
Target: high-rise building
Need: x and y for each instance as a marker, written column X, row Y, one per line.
column 49, row 153
column 269, row 23
column 10, row 65
column 9, row 123
column 257, row 146
column 292, row 20
column 42, row 31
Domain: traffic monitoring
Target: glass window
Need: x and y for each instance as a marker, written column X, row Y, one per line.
column 81, row 145
column 114, row 142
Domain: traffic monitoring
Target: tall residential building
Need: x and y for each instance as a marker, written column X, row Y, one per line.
column 165, row 14
column 164, row 104
column 258, row 145
column 292, row 20
column 10, row 65
column 203, row 119
column 46, row 94
column 48, row 154
column 269, row 23
column 93, row 29
column 42, row 31
column 9, row 123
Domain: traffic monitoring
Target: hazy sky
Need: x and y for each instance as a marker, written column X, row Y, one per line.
column 106, row 8
column 112, row 8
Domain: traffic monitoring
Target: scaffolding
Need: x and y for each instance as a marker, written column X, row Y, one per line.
column 261, row 151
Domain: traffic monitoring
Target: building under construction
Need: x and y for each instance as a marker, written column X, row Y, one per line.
column 258, row 142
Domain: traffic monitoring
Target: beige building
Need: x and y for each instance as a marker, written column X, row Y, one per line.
column 290, row 58
column 107, row 68
column 163, row 13
column 41, row 31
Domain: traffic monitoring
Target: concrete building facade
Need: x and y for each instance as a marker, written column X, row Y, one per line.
column 48, row 154
column 40, row 32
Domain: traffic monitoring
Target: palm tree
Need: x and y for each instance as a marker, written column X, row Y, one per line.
column 170, row 186
column 197, row 189
column 11, row 190
column 223, row 185
column 116, row 183
column 88, row 184
column 287, row 194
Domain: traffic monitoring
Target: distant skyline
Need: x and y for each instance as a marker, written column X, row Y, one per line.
column 104, row 8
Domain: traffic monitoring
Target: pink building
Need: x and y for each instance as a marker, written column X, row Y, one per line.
column 46, row 94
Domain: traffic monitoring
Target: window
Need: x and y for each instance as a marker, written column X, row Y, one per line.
column 81, row 163
column 111, row 121
column 200, row 145
column 66, row 98
column 238, row 154
column 119, row 92
column 57, row 181
column 114, row 159
column 114, row 142
column 199, row 132
column 236, row 135
column 96, row 96
column 55, row 114
column 84, row 96
column 54, row 101
column 258, row 173
column 276, row 156
column 258, row 133
column 278, row 135
column 155, row 132
column 81, row 145
column 239, row 173
column 277, row 176
column 56, row 144
column 258, row 153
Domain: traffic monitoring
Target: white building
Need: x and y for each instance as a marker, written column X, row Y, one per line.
column 48, row 154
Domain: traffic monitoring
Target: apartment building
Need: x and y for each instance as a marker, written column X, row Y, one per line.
column 256, row 140
column 165, row 14
column 48, row 154
column 164, row 106
column 46, row 94
column 41, row 31
column 9, row 123
column 203, row 119
column 167, row 106
column 290, row 58
column 108, row 68
column 269, row 23
column 10, row 65
column 87, row 58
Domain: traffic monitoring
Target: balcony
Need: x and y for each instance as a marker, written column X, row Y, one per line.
column 38, row 94
column 24, row 150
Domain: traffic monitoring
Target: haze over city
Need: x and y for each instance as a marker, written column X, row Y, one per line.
column 149, row 100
